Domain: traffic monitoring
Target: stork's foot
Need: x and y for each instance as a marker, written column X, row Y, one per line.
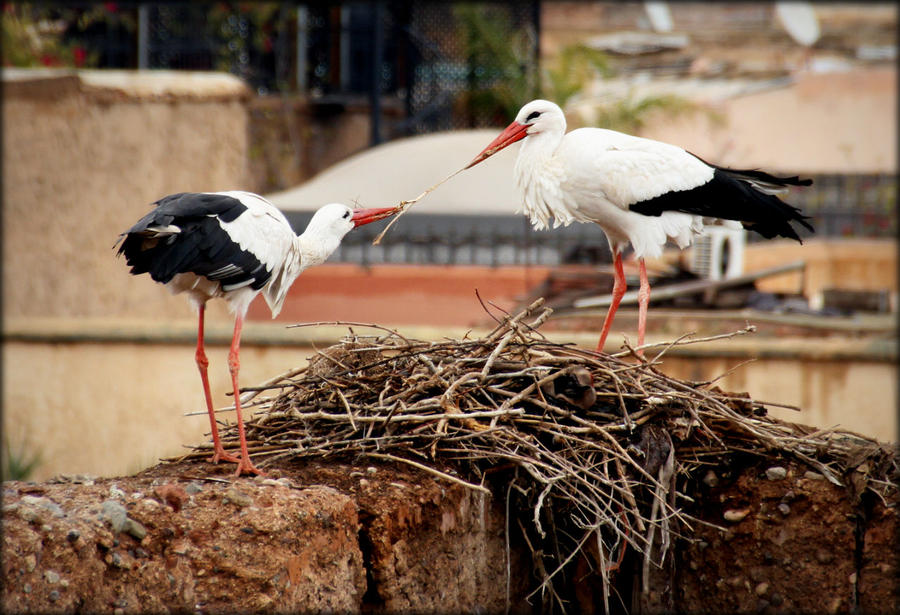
column 244, row 465
column 221, row 454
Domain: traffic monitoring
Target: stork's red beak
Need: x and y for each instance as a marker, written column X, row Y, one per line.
column 514, row 132
column 364, row 216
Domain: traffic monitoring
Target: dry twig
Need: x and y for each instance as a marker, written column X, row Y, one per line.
column 575, row 428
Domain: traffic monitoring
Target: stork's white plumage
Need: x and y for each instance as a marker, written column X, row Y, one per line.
column 234, row 245
column 639, row 191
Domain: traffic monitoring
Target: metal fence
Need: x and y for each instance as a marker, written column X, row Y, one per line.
column 850, row 205
column 433, row 57
column 859, row 206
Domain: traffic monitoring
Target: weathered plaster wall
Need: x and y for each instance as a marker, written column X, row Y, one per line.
column 84, row 156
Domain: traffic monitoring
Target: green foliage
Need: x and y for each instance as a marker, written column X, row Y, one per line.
column 32, row 35
column 499, row 82
column 498, row 79
column 18, row 464
column 630, row 114
column 575, row 66
column 243, row 29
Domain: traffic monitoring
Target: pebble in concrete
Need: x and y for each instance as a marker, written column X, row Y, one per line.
column 42, row 503
column 115, row 514
column 735, row 515
column 134, row 528
column 776, row 473
column 239, row 498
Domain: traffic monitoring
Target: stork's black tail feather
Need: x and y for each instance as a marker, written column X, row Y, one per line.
column 755, row 175
column 774, row 216
column 747, row 196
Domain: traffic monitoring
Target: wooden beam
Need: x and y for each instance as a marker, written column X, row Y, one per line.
column 691, row 287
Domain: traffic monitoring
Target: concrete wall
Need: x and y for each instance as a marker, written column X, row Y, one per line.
column 113, row 409
column 849, row 264
column 292, row 138
column 841, row 122
column 845, row 263
column 85, row 153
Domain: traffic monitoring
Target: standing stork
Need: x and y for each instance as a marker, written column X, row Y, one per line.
column 233, row 245
column 637, row 190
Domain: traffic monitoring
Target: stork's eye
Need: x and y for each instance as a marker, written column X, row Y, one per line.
column 533, row 116
column 346, row 214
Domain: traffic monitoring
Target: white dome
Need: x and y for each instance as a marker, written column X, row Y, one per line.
column 401, row 170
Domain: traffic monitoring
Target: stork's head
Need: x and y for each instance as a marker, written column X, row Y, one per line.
column 331, row 222
column 538, row 116
column 337, row 220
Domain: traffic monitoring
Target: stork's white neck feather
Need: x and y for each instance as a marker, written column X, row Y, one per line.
column 313, row 248
column 321, row 238
column 307, row 250
column 538, row 175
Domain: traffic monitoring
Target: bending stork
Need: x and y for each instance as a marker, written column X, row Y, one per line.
column 233, row 245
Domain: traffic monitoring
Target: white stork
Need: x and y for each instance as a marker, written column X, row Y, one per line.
column 639, row 191
column 233, row 245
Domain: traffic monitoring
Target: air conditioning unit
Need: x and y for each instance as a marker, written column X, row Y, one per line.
column 718, row 253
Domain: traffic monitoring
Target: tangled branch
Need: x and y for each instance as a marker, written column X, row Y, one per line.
column 591, row 443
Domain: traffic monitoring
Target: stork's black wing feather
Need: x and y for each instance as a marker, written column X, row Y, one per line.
column 187, row 206
column 756, row 174
column 198, row 245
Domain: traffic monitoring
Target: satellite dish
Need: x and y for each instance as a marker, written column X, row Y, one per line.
column 800, row 21
column 660, row 16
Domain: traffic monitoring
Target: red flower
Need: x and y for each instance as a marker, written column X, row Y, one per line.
column 112, row 7
column 49, row 60
column 79, row 55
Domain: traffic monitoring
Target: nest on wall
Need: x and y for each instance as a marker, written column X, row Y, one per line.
column 591, row 443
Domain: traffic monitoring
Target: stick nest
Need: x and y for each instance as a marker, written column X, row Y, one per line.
column 589, row 445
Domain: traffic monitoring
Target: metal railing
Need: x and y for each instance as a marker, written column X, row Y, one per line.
column 850, row 205
column 415, row 52
column 859, row 206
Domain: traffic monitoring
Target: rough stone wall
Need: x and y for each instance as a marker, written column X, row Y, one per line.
column 336, row 538
column 384, row 538
column 83, row 160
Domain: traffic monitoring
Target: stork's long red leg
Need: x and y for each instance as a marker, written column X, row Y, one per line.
column 219, row 453
column 234, row 365
column 617, row 292
column 643, row 302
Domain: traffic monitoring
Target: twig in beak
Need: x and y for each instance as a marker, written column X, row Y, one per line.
column 404, row 205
